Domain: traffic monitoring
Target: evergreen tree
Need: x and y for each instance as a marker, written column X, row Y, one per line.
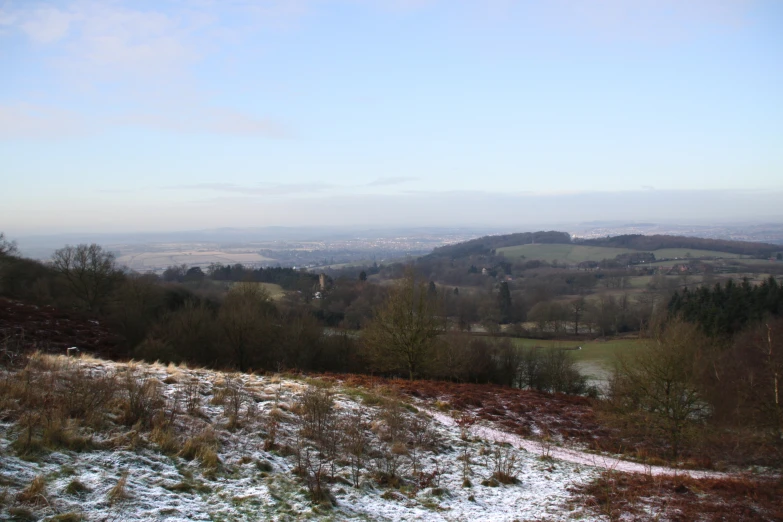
column 504, row 302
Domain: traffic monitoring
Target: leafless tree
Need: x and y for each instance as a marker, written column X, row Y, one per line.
column 90, row 272
column 244, row 320
column 403, row 333
column 662, row 380
column 7, row 248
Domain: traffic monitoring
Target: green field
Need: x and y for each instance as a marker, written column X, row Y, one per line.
column 596, row 351
column 682, row 253
column 579, row 253
column 567, row 253
column 596, row 358
column 275, row 291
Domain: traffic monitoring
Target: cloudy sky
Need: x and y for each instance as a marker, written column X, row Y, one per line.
column 184, row 114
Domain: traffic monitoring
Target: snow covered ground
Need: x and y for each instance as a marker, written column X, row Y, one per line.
column 252, row 483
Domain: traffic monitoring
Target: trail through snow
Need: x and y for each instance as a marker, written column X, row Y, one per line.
column 573, row 455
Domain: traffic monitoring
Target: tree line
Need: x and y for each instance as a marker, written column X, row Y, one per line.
column 706, row 383
column 401, row 330
column 658, row 241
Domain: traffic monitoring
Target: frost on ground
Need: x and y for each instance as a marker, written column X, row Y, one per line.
column 125, row 441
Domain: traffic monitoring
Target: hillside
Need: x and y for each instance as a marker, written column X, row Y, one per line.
column 553, row 245
column 657, row 242
column 128, row 441
column 576, row 253
column 487, row 244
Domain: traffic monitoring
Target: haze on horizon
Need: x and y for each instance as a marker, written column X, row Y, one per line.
column 170, row 115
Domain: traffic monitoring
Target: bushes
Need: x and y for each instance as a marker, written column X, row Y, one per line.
column 463, row 358
column 624, row 496
column 141, row 398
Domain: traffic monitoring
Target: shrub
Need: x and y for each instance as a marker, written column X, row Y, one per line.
column 316, row 408
column 142, row 398
column 504, row 465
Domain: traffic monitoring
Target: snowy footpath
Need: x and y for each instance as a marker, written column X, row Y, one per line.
column 572, row 455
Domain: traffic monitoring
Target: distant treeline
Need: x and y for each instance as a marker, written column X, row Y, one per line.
column 287, row 278
column 725, row 310
column 649, row 243
column 487, row 245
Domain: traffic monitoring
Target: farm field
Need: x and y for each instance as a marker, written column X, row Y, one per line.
column 596, row 358
column 670, row 253
column 158, row 261
column 579, row 253
column 568, row 253
column 276, row 292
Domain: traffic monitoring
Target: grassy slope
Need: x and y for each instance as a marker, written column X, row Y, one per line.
column 275, row 291
column 241, row 479
column 579, row 253
column 570, row 253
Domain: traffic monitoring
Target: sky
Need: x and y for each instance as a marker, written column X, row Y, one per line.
column 191, row 114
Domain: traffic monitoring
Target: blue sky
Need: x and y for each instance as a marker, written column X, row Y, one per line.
column 185, row 114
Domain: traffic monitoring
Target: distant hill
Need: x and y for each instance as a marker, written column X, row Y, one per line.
column 657, row 242
column 576, row 250
column 487, row 244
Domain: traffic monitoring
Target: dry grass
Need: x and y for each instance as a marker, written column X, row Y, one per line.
column 76, row 487
column 203, row 447
column 34, row 493
column 166, row 439
column 514, row 410
column 142, row 398
column 119, row 492
column 67, row 517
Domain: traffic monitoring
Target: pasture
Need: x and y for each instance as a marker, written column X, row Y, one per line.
column 579, row 253
column 160, row 260
column 596, row 358
column 603, row 352
column 683, row 253
column 566, row 253
column 276, row 292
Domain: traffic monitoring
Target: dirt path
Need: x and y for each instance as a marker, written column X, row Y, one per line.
column 575, row 456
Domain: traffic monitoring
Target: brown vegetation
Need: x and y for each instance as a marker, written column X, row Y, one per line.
column 623, row 496
column 515, row 410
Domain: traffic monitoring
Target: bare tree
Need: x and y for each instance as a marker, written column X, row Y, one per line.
column 405, row 329
column 662, row 380
column 90, row 271
column 7, row 248
column 577, row 307
column 244, row 320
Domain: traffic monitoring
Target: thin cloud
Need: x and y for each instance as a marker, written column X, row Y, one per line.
column 209, row 120
column 256, row 190
column 30, row 121
column 660, row 21
column 46, row 25
column 39, row 122
column 392, row 180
